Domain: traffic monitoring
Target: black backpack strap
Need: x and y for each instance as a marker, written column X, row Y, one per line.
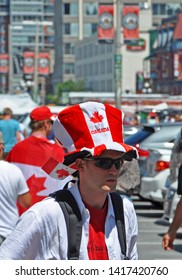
column 117, row 202
column 73, row 221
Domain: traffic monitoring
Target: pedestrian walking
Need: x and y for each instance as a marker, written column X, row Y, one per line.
column 92, row 134
column 175, row 174
column 13, row 188
column 10, row 130
column 31, row 153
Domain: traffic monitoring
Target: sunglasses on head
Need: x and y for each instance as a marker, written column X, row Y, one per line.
column 107, row 163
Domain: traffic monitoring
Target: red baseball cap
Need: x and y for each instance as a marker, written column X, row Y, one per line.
column 42, row 113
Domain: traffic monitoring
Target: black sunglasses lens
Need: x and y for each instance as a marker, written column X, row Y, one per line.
column 107, row 163
column 118, row 164
column 103, row 163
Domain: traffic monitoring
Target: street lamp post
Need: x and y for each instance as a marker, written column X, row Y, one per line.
column 35, row 92
column 37, row 23
column 118, row 57
column 11, row 55
column 10, row 78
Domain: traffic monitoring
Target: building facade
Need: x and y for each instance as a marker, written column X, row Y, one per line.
column 29, row 27
column 79, row 20
column 73, row 20
column 166, row 57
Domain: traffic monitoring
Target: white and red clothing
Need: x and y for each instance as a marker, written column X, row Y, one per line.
column 30, row 155
column 12, row 184
column 41, row 232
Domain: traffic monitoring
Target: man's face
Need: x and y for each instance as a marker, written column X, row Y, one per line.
column 100, row 172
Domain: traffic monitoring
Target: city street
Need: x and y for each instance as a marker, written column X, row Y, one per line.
column 151, row 232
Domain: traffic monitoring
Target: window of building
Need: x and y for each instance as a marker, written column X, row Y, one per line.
column 96, row 49
column 166, row 9
column 109, row 66
column 96, row 68
column 103, row 48
column 89, row 29
column 68, row 68
column 70, row 9
column 91, row 69
column 90, row 9
column 70, row 29
column 102, row 86
column 109, row 85
column 102, row 67
column 68, row 48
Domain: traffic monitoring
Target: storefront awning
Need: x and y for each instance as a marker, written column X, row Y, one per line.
column 178, row 30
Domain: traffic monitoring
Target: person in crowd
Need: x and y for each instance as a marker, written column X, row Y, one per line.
column 129, row 178
column 152, row 118
column 92, row 134
column 13, row 188
column 31, row 153
column 10, row 130
column 175, row 174
column 170, row 235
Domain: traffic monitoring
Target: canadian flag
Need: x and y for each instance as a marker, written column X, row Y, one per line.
column 30, row 155
column 57, row 170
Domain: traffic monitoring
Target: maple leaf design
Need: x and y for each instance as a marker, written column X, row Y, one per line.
column 96, row 118
column 35, row 184
column 62, row 173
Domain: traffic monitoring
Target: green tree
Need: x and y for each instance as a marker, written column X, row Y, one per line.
column 62, row 90
column 70, row 86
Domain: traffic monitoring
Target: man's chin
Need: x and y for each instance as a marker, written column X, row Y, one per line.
column 108, row 188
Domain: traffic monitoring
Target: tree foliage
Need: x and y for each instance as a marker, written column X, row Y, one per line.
column 70, row 86
column 63, row 89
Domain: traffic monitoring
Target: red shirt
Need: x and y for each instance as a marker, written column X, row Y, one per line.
column 96, row 247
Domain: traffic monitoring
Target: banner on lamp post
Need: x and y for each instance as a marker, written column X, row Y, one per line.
column 130, row 22
column 44, row 63
column 106, row 23
column 28, row 65
column 4, row 63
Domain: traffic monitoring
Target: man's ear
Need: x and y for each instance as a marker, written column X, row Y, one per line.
column 79, row 163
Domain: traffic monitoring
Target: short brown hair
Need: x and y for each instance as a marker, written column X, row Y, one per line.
column 7, row 111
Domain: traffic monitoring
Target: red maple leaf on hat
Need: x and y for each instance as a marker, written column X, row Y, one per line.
column 96, row 118
column 62, row 173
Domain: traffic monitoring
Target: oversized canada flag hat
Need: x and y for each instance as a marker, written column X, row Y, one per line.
column 88, row 129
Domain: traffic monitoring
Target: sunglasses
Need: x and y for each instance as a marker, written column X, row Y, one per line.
column 107, row 163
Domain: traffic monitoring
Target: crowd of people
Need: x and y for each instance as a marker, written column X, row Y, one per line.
column 89, row 156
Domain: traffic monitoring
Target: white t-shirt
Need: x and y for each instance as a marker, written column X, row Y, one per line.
column 12, row 184
column 41, row 232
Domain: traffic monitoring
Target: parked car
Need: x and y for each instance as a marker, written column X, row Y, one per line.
column 130, row 130
column 151, row 136
column 157, row 171
column 154, row 182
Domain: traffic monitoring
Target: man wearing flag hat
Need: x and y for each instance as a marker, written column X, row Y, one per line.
column 92, row 134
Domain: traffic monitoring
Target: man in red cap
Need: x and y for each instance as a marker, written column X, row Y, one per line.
column 30, row 154
column 93, row 136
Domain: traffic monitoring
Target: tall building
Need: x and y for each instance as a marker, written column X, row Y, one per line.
column 79, row 20
column 4, row 20
column 29, row 27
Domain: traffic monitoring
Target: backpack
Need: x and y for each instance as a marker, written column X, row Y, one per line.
column 73, row 220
